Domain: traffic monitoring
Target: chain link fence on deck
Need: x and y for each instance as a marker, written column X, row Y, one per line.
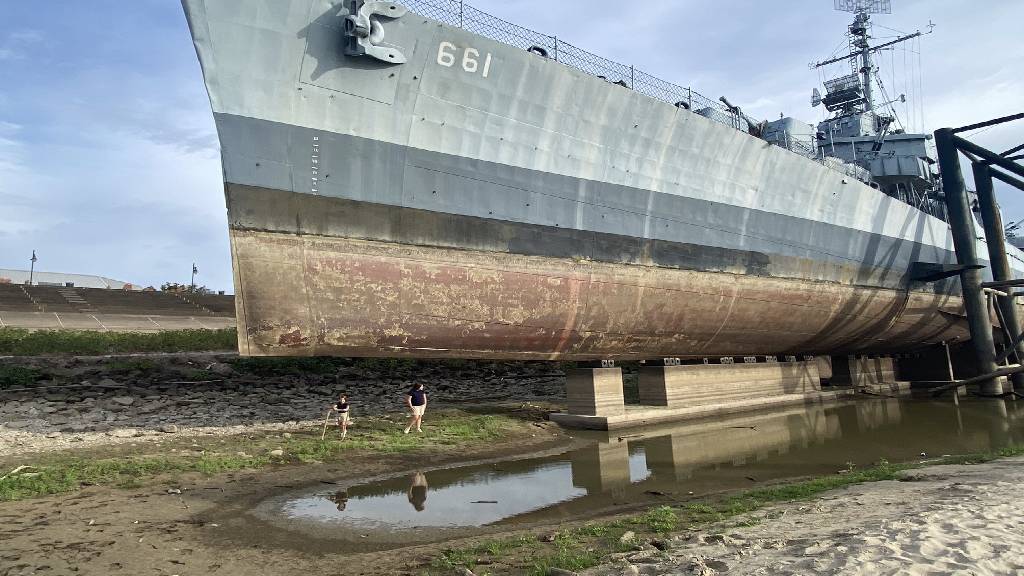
column 456, row 13
column 464, row 16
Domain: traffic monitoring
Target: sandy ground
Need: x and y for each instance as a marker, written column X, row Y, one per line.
column 940, row 520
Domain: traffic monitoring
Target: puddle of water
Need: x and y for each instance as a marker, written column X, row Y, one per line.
column 449, row 498
column 641, row 464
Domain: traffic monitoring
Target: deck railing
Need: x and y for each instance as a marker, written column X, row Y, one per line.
column 462, row 15
column 456, row 13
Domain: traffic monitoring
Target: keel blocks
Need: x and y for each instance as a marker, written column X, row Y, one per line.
column 595, row 392
column 679, row 392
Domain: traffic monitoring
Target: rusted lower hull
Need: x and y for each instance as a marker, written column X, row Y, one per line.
column 318, row 295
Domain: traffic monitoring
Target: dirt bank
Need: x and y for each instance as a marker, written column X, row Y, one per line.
column 55, row 403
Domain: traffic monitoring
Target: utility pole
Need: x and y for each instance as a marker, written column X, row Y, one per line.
column 194, row 272
column 32, row 268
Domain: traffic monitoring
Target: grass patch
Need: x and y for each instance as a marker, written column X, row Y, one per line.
column 269, row 367
column 72, row 474
column 587, row 546
column 21, row 342
column 18, row 376
column 450, row 558
column 567, row 558
column 660, row 520
column 374, row 436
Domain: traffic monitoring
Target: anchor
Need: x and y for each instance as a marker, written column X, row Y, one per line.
column 365, row 33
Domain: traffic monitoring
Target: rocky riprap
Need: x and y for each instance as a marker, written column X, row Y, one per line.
column 106, row 399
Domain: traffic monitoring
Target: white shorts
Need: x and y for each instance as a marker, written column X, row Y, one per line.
column 419, row 410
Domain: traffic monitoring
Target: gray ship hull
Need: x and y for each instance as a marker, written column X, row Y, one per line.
column 432, row 210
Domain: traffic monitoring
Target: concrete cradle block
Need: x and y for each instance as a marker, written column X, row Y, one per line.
column 703, row 384
column 595, row 392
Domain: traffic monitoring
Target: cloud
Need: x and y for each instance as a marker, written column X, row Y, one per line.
column 130, row 208
column 15, row 45
column 10, row 150
column 109, row 165
column 25, row 36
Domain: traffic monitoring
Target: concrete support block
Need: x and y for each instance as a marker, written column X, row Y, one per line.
column 824, row 367
column 595, row 392
column 653, row 383
column 700, row 384
column 875, row 375
column 865, row 372
column 601, row 467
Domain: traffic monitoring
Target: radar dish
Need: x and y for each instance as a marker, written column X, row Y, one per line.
column 865, row 6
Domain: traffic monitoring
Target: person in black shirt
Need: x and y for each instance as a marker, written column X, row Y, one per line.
column 341, row 407
column 416, row 400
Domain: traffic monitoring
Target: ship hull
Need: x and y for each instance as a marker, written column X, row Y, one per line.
column 307, row 292
column 424, row 210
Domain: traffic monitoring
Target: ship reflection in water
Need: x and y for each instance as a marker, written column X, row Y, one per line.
column 640, row 465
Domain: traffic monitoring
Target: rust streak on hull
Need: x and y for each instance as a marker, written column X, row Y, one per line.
column 319, row 295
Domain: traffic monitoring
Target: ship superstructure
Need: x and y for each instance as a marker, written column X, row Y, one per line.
column 422, row 179
column 864, row 129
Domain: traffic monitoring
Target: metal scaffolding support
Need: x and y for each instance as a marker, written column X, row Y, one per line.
column 949, row 146
column 992, row 220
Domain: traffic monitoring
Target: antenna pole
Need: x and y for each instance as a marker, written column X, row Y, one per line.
column 860, row 29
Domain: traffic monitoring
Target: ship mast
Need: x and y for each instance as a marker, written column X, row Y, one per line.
column 863, row 100
column 860, row 34
column 860, row 130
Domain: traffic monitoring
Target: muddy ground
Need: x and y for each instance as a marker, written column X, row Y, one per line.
column 111, row 407
column 205, row 529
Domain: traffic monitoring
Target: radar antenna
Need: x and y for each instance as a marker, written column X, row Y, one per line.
column 854, row 93
column 865, row 6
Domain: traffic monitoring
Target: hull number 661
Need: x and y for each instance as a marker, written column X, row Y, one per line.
column 448, row 56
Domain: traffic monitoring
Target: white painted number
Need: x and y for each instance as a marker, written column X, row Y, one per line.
column 470, row 58
column 487, row 65
column 315, row 166
column 446, row 54
column 469, row 63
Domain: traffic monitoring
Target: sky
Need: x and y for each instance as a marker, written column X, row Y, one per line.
column 109, row 162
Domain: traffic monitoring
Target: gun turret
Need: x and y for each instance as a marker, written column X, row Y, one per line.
column 754, row 127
